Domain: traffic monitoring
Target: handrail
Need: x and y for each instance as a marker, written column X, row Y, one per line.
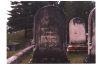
column 19, row 54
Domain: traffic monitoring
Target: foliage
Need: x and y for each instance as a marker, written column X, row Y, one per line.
column 16, row 37
column 22, row 14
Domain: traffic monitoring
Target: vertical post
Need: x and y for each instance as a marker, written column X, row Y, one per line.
column 34, row 33
column 90, row 28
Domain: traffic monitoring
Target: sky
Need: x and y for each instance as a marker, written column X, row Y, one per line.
column 4, row 6
column 8, row 8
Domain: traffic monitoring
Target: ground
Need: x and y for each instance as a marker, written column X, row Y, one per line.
column 77, row 57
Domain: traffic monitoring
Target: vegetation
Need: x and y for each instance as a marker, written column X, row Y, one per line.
column 77, row 57
column 17, row 36
column 22, row 16
column 79, row 9
column 10, row 53
column 22, row 13
column 73, row 57
column 27, row 59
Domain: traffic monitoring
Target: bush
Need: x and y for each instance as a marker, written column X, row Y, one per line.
column 17, row 36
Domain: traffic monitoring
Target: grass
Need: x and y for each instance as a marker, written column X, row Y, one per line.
column 77, row 57
column 17, row 36
column 73, row 57
column 10, row 53
column 26, row 59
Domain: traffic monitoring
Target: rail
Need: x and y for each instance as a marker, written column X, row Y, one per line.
column 14, row 58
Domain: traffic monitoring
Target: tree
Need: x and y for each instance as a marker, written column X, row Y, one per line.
column 76, row 9
column 22, row 14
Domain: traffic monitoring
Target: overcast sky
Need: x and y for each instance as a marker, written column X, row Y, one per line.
column 8, row 8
